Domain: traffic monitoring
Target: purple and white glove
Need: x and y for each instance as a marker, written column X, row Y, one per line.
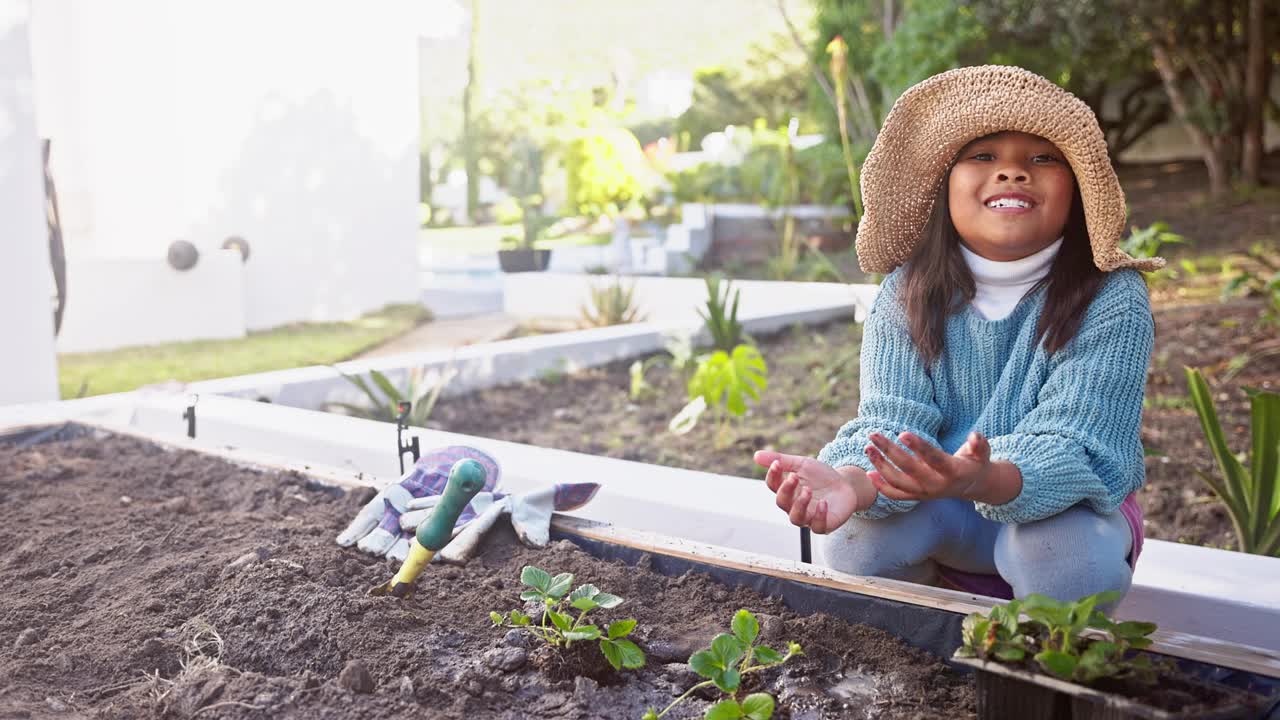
column 386, row 525
column 377, row 529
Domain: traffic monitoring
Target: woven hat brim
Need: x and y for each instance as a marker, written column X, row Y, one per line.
column 936, row 118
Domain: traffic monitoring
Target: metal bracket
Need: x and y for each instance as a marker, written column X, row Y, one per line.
column 402, row 424
column 190, row 416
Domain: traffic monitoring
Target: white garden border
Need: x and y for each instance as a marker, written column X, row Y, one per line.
column 766, row 307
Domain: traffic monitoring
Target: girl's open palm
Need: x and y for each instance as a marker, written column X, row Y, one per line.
column 812, row 493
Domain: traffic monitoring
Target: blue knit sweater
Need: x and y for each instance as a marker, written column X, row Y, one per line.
column 1070, row 421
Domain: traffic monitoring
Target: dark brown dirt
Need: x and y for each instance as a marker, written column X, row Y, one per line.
column 143, row 582
column 1179, row 505
column 813, row 390
column 1177, row 193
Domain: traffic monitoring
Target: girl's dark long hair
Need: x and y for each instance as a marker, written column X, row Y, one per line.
column 937, row 282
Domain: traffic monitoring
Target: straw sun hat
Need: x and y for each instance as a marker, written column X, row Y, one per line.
column 934, row 119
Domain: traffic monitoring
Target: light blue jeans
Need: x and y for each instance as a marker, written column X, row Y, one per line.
column 1068, row 556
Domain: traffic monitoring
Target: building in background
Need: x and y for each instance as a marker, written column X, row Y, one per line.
column 292, row 125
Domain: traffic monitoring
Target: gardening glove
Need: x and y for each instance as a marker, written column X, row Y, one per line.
column 377, row 529
column 530, row 514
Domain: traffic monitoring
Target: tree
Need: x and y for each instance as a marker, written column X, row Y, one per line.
column 1214, row 58
column 607, row 170
column 1081, row 46
column 769, row 87
column 1257, row 78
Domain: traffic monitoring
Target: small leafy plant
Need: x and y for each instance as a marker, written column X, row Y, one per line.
column 611, row 304
column 730, row 657
column 1073, row 641
column 384, row 404
column 1255, row 274
column 559, row 628
column 640, row 388
column 721, row 317
column 1146, row 242
column 724, row 382
column 1252, row 495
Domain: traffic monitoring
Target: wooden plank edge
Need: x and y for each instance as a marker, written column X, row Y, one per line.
column 1166, row 642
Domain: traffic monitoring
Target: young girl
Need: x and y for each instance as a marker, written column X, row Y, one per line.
column 996, row 446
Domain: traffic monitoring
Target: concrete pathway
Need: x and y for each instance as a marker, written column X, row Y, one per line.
column 447, row 333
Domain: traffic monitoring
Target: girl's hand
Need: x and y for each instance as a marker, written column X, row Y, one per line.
column 927, row 473
column 813, row 494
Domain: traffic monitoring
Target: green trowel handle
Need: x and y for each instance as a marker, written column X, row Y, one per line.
column 466, row 477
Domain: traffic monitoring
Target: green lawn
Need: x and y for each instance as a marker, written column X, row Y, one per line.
column 285, row 347
column 485, row 239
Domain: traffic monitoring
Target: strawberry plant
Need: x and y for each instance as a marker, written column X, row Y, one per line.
column 730, row 657
column 1072, row 641
column 559, row 628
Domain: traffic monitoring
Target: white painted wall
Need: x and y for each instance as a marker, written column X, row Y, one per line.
column 117, row 301
column 28, row 369
column 292, row 123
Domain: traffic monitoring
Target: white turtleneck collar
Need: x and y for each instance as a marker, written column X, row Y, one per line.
column 1000, row 285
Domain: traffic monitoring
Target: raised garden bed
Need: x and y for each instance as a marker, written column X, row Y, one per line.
column 164, row 583
column 813, row 390
column 160, row 582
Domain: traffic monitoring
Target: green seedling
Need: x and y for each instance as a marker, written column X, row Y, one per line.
column 724, row 382
column 725, row 663
column 721, row 317
column 640, row 387
column 559, row 628
column 1072, row 641
column 1147, row 242
column 1255, row 274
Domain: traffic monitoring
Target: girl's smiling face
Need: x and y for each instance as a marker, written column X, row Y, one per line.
column 1009, row 195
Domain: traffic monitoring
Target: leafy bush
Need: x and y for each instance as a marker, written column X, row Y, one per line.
column 557, row 626
column 1054, row 636
column 759, row 177
column 607, row 170
column 612, row 304
column 1256, row 274
column 1252, row 495
column 725, row 662
column 508, row 211
column 721, row 318
column 1146, row 242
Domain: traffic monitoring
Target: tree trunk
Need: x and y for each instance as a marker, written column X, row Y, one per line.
column 1210, row 148
column 888, row 20
column 470, row 156
column 1256, row 77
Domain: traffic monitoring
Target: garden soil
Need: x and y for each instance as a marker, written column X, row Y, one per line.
column 142, row 582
